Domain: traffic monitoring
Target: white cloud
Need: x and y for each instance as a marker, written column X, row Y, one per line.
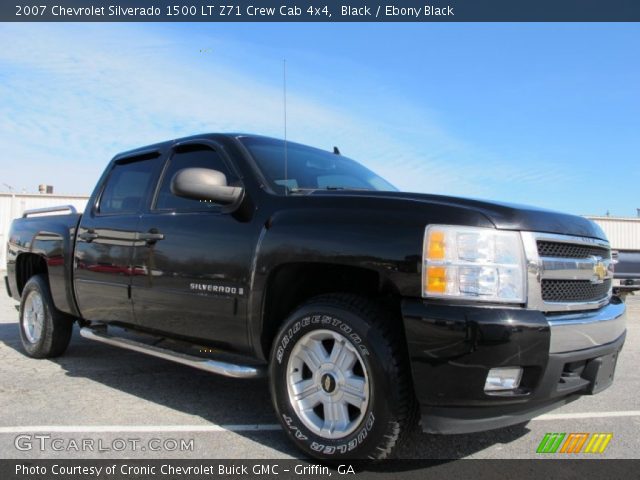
column 74, row 95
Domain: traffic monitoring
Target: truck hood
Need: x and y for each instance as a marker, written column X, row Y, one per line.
column 504, row 216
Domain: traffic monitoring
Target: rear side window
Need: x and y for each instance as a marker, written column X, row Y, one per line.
column 126, row 187
column 190, row 157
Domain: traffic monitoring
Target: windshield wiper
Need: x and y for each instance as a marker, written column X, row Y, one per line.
column 328, row 187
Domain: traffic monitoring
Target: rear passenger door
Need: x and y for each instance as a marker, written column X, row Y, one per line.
column 196, row 271
column 106, row 237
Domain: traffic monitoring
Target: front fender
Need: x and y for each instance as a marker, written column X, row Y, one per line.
column 353, row 239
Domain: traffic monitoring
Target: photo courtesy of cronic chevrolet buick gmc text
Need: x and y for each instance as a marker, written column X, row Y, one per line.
column 370, row 310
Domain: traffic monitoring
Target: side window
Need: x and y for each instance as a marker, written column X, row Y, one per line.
column 126, row 187
column 190, row 157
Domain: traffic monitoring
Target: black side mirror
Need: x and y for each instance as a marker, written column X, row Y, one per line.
column 204, row 184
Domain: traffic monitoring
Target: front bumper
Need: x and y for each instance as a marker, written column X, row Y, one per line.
column 578, row 331
column 452, row 349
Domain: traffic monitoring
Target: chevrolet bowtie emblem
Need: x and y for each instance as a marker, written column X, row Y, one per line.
column 600, row 271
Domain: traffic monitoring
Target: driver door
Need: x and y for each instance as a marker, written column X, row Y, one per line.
column 196, row 268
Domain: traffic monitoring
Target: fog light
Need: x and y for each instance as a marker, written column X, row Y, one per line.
column 503, row 379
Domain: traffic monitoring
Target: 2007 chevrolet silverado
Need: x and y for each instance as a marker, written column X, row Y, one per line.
column 369, row 309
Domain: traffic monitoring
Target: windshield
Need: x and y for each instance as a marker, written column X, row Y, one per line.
column 310, row 168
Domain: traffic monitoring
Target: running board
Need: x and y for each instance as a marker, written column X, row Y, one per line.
column 208, row 365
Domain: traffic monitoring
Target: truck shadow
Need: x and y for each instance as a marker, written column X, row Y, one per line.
column 225, row 401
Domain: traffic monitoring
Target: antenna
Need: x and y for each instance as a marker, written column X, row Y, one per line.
column 284, row 98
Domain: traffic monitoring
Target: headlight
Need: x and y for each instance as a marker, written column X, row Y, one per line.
column 480, row 264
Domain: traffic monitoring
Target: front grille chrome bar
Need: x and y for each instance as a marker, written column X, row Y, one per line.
column 568, row 268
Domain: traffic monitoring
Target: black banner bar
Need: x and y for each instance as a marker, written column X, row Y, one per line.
column 320, row 11
column 304, row 470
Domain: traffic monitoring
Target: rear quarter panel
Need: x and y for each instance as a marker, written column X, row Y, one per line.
column 52, row 238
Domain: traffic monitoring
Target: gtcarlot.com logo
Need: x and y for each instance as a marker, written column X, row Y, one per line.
column 45, row 442
column 574, row 443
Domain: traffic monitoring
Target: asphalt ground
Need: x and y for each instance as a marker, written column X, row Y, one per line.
column 98, row 401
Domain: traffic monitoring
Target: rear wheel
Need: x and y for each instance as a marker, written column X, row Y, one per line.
column 45, row 332
column 340, row 380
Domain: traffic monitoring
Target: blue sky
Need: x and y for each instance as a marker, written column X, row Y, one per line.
column 541, row 114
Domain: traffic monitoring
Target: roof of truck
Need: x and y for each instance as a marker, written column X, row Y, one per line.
column 208, row 135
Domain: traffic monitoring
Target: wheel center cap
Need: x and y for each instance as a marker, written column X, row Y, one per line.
column 328, row 383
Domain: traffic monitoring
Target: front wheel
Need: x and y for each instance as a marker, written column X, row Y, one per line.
column 340, row 380
column 45, row 332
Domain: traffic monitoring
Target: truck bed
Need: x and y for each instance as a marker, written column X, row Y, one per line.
column 49, row 238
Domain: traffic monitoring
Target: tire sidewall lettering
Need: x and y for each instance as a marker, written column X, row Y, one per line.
column 304, row 322
column 342, row 448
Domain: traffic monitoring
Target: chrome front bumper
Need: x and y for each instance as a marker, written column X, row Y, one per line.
column 581, row 330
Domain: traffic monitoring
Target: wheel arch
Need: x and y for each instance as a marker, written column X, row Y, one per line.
column 27, row 265
column 291, row 284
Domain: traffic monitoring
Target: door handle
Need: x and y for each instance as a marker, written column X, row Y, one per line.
column 88, row 236
column 152, row 236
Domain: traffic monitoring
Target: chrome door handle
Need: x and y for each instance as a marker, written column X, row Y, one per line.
column 151, row 236
column 88, row 236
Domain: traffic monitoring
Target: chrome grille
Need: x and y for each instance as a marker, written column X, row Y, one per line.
column 574, row 290
column 566, row 273
column 570, row 250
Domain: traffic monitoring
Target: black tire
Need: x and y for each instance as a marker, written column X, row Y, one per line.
column 391, row 409
column 57, row 327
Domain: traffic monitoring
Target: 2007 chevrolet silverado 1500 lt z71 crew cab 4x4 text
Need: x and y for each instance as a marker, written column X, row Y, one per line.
column 368, row 308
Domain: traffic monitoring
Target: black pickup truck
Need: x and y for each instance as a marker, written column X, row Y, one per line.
column 370, row 310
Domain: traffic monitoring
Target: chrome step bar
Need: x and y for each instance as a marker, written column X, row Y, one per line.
column 208, row 365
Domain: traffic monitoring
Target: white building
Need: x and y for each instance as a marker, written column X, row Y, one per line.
column 13, row 205
column 623, row 232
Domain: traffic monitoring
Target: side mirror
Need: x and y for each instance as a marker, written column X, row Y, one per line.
column 204, row 184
